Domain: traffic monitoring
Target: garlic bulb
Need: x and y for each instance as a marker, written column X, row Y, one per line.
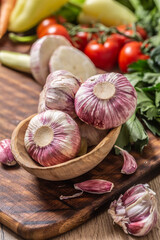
column 59, row 92
column 136, row 210
column 105, row 100
column 41, row 104
column 52, row 137
column 90, row 133
column 6, row 156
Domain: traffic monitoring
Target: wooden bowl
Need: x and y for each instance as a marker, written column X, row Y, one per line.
column 67, row 170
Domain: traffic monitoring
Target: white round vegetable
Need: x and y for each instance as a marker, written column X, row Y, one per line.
column 52, row 137
column 41, row 52
column 72, row 60
column 59, row 92
column 106, row 100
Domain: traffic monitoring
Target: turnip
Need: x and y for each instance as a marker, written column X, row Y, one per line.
column 38, row 60
column 73, row 60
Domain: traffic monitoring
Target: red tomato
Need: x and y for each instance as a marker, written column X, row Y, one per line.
column 55, row 29
column 118, row 38
column 81, row 39
column 127, row 29
column 45, row 23
column 131, row 52
column 105, row 55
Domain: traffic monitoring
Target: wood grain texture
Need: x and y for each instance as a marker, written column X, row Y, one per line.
column 30, row 206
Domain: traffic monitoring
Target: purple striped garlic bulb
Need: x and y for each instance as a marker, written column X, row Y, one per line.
column 136, row 210
column 52, row 137
column 59, row 92
column 106, row 100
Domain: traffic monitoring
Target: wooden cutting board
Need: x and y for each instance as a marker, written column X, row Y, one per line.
column 31, row 206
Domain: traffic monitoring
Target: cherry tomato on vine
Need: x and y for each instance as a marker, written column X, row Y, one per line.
column 127, row 29
column 131, row 52
column 103, row 55
column 118, row 38
column 45, row 23
column 81, row 39
column 55, row 29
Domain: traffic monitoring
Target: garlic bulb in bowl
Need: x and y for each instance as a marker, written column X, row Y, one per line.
column 92, row 135
column 52, row 137
column 106, row 100
column 59, row 92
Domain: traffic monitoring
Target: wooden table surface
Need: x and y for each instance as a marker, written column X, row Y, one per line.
column 98, row 228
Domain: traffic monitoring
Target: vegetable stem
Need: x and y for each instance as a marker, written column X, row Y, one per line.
column 22, row 39
column 75, row 4
column 17, row 61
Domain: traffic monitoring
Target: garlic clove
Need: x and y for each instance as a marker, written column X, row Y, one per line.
column 52, row 137
column 136, row 210
column 90, row 133
column 95, row 186
column 129, row 165
column 6, row 156
column 105, row 100
column 59, row 92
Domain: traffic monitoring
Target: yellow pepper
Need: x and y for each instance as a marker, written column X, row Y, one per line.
column 108, row 12
column 27, row 13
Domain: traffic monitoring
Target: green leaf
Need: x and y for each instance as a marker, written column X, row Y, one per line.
column 151, row 78
column 134, row 78
column 71, row 10
column 139, row 66
column 136, row 130
column 145, row 105
column 123, row 138
column 153, row 126
column 132, row 132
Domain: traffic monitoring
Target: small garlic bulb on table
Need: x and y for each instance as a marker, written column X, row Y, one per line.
column 59, row 92
column 52, row 137
column 106, row 100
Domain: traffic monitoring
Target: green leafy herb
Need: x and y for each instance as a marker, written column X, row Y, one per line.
column 71, row 10
column 132, row 132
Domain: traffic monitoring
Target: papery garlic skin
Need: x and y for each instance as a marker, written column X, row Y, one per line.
column 6, row 155
column 136, row 210
column 106, row 100
column 59, row 92
column 52, row 137
column 95, row 186
column 90, row 133
column 41, row 104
